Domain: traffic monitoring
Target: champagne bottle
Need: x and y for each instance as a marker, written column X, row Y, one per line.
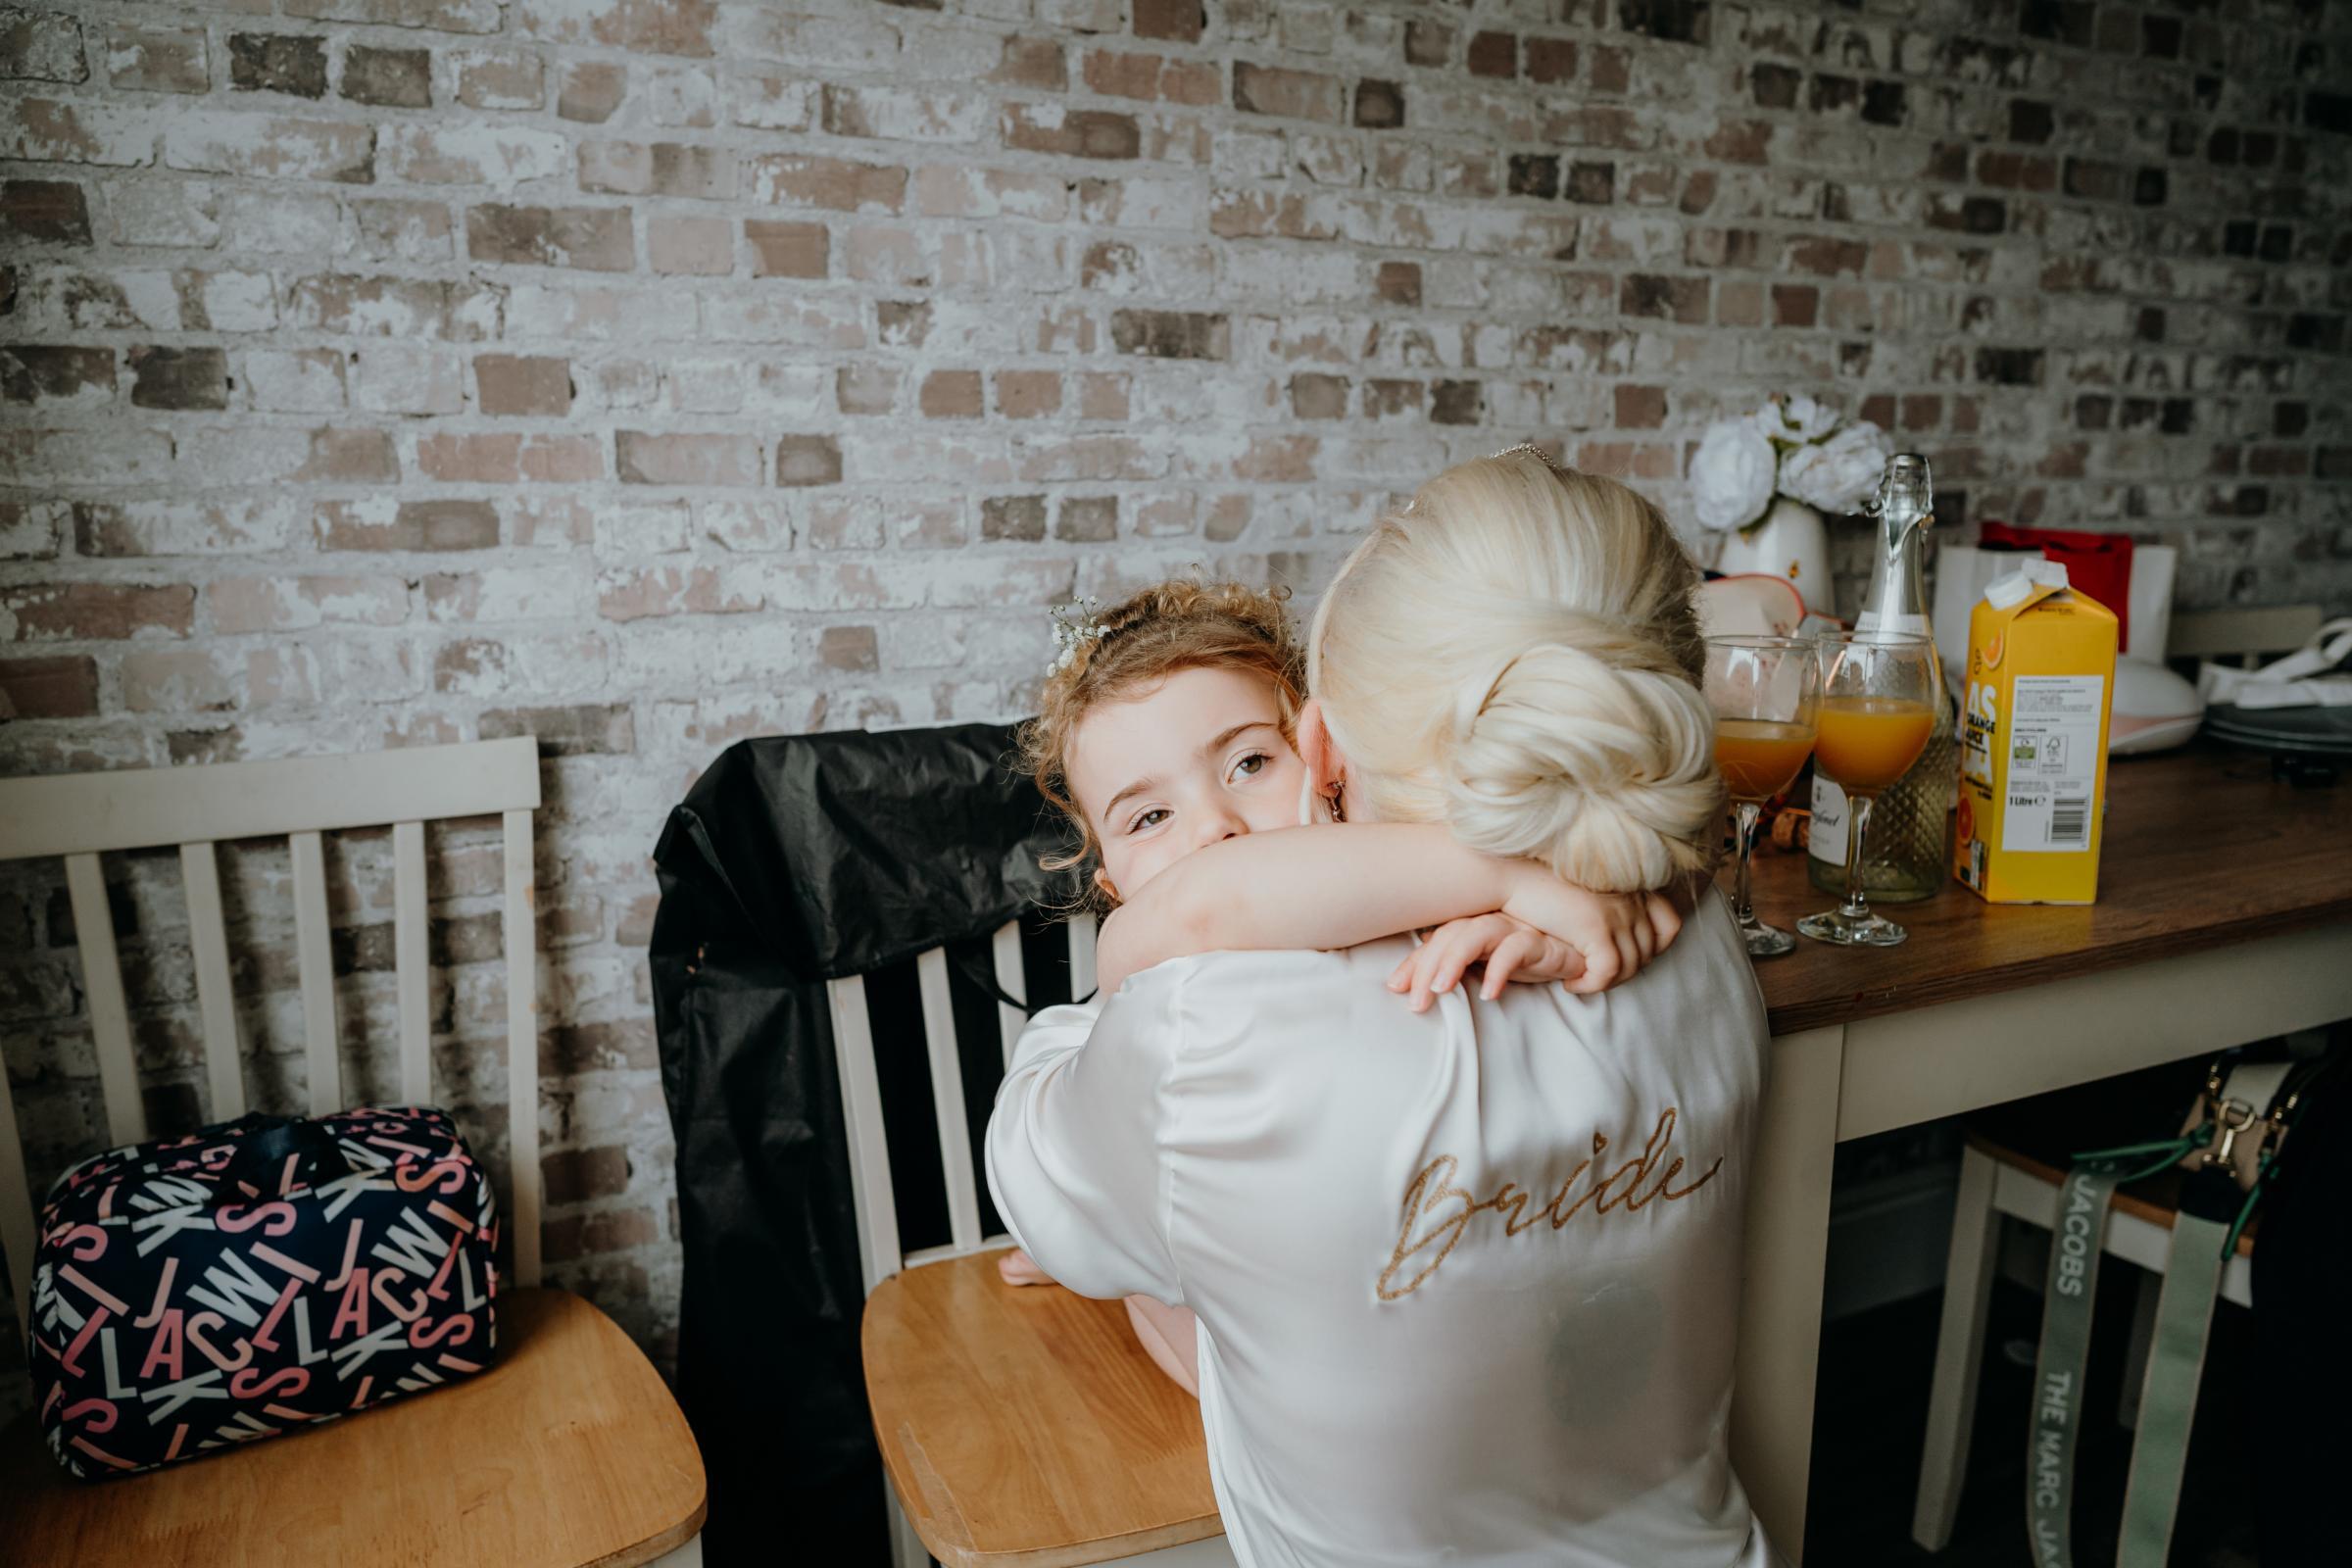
column 1908, row 855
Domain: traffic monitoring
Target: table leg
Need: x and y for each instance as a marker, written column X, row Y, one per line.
column 1780, row 1315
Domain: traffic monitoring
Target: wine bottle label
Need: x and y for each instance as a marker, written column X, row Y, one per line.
column 1826, row 838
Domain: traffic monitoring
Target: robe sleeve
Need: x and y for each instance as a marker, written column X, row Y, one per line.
column 1077, row 1146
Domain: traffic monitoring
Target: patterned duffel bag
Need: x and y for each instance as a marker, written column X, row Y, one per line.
column 189, row 1294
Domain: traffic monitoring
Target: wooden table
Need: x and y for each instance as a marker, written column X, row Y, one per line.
column 2224, row 916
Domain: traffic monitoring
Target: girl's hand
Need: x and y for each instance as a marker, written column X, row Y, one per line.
column 1614, row 933
column 1512, row 950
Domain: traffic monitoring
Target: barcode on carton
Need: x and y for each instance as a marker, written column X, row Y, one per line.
column 2070, row 820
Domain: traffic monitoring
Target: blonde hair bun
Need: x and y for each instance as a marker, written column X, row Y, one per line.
column 1550, row 708
column 1603, row 770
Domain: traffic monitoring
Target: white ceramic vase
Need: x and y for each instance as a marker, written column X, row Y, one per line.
column 1791, row 542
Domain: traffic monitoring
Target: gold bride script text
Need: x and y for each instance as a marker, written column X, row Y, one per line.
column 1437, row 1213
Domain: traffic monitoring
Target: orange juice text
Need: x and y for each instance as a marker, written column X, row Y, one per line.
column 1865, row 743
column 2034, row 742
column 1760, row 758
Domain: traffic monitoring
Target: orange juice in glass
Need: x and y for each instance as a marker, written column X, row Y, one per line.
column 1874, row 720
column 1764, row 691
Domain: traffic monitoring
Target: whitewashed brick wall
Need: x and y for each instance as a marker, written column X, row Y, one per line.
column 642, row 374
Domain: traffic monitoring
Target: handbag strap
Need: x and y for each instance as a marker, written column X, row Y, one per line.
column 274, row 1152
column 2077, row 1242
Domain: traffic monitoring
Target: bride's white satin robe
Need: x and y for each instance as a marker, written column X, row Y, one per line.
column 1388, row 1375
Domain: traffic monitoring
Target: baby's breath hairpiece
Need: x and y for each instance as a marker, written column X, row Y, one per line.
column 1076, row 625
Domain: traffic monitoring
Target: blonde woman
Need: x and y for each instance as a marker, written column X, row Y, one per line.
column 1464, row 1278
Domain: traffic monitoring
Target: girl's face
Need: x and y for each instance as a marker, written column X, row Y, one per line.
column 1197, row 759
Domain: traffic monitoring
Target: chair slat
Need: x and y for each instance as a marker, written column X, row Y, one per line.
column 1010, row 979
column 110, row 1017
column 207, row 944
column 314, row 960
column 947, row 1099
column 411, row 964
column 1082, row 955
column 523, row 1044
column 16, row 1210
column 870, row 1189
column 139, row 809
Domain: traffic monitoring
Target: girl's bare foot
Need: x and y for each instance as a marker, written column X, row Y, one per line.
column 1017, row 1268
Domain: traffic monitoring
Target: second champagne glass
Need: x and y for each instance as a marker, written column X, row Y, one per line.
column 1764, row 691
column 1877, row 691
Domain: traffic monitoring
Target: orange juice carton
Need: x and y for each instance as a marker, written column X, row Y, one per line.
column 2033, row 740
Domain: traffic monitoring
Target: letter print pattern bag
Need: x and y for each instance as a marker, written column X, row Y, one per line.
column 194, row 1293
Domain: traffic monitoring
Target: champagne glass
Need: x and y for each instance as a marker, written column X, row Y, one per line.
column 1764, row 691
column 1878, row 691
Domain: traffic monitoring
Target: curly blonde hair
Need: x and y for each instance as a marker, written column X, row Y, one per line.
column 1170, row 626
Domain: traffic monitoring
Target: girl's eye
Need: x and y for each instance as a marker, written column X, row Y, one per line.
column 1150, row 818
column 1249, row 765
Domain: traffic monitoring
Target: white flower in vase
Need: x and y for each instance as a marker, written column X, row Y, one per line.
column 1732, row 475
column 1797, row 419
column 1838, row 475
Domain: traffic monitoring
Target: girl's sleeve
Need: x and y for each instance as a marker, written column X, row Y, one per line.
column 1077, row 1151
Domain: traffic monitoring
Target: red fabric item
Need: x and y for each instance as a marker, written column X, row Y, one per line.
column 2097, row 563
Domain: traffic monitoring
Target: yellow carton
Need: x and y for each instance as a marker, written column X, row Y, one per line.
column 2033, row 740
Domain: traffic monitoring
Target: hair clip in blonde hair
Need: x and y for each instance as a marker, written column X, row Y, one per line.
column 1536, row 452
column 1076, row 625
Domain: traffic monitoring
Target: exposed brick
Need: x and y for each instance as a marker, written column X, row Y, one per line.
column 1289, row 94
column 1379, row 105
column 1179, row 20
column 1316, row 396
column 1031, row 63
column 1492, row 53
column 1070, row 132
column 1087, row 520
column 1457, row 402
column 1640, row 408
column 808, row 460
column 152, row 60
column 1171, row 334
column 1017, row 519
column 581, row 1175
column 596, row 240
column 45, row 209
column 1677, row 20
column 591, row 91
column 1550, row 61
column 676, row 458
column 49, row 688
column 97, row 611
column 833, row 183
column 522, row 384
column 952, row 395
column 1028, row 394
column 410, row 525
column 278, row 62
column 41, row 373
column 787, row 250
column 395, row 78
column 1429, row 43
column 1674, row 299
column 178, row 378
column 1399, row 282
column 583, row 730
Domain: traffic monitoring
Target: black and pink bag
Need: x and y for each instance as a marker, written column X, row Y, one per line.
column 189, row 1294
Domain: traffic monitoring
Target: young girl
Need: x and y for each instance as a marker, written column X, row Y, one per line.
column 1169, row 725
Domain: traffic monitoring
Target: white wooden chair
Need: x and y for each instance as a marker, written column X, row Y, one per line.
column 1019, row 1426
column 568, row 1450
column 2019, row 1178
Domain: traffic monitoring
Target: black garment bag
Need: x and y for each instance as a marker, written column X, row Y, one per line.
column 791, row 862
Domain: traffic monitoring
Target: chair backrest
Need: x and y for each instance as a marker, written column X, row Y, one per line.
column 80, row 816
column 2245, row 635
column 870, row 1183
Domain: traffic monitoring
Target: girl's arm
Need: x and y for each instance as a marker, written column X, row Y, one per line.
column 1335, row 886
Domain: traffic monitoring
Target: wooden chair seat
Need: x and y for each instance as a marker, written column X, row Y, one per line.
column 1026, row 1426
column 2041, row 1135
column 567, row 1453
